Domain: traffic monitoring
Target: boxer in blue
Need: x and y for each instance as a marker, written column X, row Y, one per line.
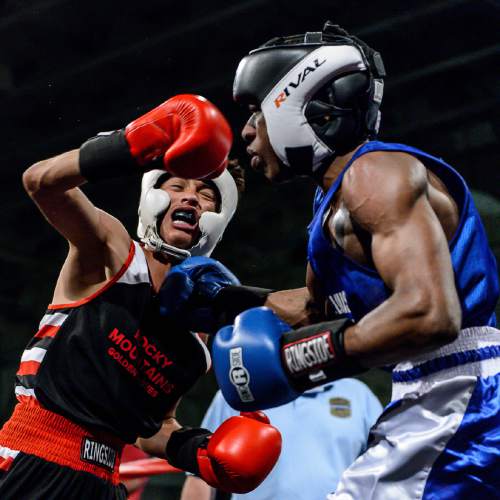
column 398, row 252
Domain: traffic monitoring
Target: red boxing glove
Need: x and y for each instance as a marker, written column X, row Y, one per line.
column 189, row 132
column 240, row 453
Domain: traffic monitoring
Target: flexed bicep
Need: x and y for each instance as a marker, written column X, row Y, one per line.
column 388, row 197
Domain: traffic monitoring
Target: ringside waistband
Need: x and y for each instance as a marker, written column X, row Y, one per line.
column 36, row 431
column 476, row 352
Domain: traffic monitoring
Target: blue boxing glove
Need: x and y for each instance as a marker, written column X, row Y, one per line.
column 188, row 296
column 247, row 361
column 261, row 363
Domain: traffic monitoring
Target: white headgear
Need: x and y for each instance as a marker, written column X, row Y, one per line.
column 154, row 203
column 284, row 106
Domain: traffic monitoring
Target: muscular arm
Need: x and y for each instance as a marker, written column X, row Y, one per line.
column 98, row 243
column 410, row 252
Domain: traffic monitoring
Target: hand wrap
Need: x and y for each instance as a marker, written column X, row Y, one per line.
column 106, row 156
column 313, row 355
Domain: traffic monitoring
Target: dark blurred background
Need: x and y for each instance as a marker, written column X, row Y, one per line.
column 69, row 69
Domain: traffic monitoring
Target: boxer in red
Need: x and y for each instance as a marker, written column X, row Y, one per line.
column 105, row 367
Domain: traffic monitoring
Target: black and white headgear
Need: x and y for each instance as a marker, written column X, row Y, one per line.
column 319, row 92
column 154, row 203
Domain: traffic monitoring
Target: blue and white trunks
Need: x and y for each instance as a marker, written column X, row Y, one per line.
column 439, row 438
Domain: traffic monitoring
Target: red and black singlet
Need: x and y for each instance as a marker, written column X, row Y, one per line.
column 110, row 361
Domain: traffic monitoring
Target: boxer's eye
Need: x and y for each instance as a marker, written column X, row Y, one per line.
column 208, row 194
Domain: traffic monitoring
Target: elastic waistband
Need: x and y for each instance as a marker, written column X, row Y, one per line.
column 36, row 431
column 476, row 352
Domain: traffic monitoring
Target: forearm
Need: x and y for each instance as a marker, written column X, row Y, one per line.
column 157, row 444
column 57, row 174
column 295, row 307
column 401, row 327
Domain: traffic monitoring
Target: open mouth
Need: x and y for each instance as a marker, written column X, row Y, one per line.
column 257, row 163
column 184, row 218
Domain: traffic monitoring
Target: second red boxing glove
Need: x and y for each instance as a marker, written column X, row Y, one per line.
column 236, row 458
column 240, row 454
column 187, row 135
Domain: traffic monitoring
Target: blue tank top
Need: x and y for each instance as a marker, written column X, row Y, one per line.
column 354, row 289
